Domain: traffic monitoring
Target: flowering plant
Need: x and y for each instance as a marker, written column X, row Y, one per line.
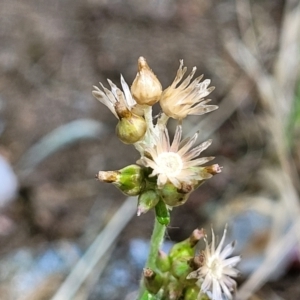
column 164, row 177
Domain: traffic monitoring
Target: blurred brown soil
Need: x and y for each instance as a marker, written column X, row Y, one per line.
column 51, row 54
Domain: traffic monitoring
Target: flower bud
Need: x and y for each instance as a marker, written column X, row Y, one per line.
column 182, row 249
column 172, row 196
column 130, row 180
column 131, row 128
column 153, row 280
column 146, row 201
column 162, row 213
column 191, row 293
column 146, row 88
column 181, row 268
column 163, row 261
column 148, row 296
column 174, row 289
column 186, row 248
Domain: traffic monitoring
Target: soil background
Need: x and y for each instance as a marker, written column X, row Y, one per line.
column 53, row 52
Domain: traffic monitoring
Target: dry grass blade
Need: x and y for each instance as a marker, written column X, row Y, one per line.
column 273, row 258
column 245, row 23
column 269, row 93
column 287, row 64
column 57, row 139
column 96, row 251
column 227, row 107
column 277, row 95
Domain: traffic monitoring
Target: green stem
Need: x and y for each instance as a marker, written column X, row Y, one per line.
column 157, row 239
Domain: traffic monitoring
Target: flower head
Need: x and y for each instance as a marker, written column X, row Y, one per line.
column 118, row 102
column 187, row 98
column 215, row 271
column 174, row 162
column 146, row 88
column 130, row 180
column 131, row 127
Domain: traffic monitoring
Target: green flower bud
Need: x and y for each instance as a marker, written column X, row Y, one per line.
column 181, row 268
column 153, row 280
column 148, row 296
column 182, row 249
column 204, row 297
column 174, row 289
column 191, row 293
column 172, row 196
column 130, row 180
column 131, row 128
column 146, row 201
column 146, row 88
column 162, row 213
column 186, row 248
column 163, row 262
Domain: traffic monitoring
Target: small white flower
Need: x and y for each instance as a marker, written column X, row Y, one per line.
column 186, row 98
column 214, row 275
column 175, row 162
column 115, row 100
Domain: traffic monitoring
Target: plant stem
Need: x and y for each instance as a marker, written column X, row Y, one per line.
column 157, row 239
